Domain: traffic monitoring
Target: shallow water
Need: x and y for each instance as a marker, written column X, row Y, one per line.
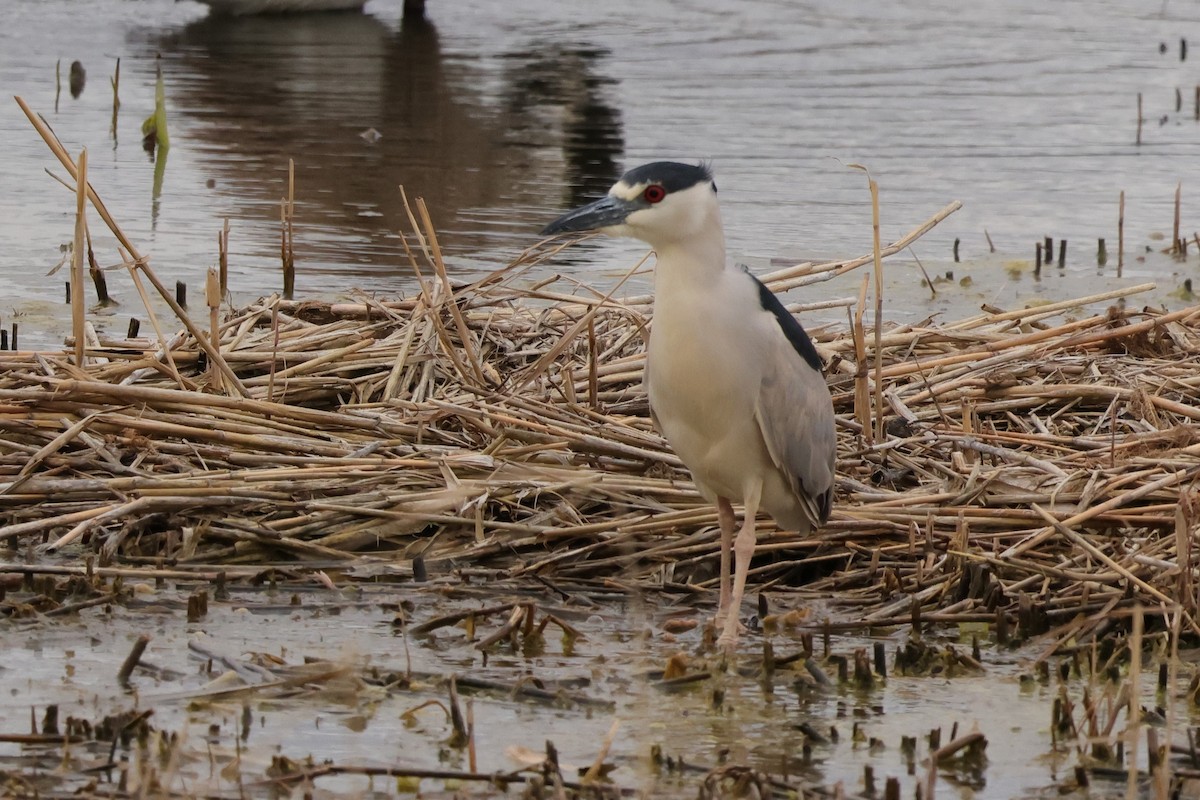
column 73, row 661
column 502, row 114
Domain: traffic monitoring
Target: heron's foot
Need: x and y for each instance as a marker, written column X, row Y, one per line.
column 721, row 620
column 730, row 628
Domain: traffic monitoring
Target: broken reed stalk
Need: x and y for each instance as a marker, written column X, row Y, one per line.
column 1176, row 241
column 287, row 253
column 115, row 80
column 98, row 279
column 875, row 249
column 131, row 660
column 447, row 297
column 472, row 762
column 1121, row 231
column 212, row 296
column 223, row 257
column 136, row 263
column 862, row 391
column 594, row 771
column 973, row 739
column 877, row 258
column 77, row 298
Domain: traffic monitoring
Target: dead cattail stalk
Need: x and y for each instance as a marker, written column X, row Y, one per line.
column 877, row 257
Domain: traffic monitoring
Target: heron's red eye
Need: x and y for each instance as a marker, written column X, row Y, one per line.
column 654, row 194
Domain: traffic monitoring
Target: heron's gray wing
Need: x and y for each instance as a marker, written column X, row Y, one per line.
column 795, row 413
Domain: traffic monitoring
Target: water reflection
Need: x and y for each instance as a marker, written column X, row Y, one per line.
column 363, row 108
column 552, row 74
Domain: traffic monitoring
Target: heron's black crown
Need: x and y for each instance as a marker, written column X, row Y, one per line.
column 671, row 175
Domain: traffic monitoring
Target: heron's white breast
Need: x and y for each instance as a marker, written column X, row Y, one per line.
column 704, row 375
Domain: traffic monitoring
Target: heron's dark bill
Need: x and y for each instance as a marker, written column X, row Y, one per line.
column 604, row 213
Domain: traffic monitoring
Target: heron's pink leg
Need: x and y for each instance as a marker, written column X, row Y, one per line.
column 728, row 521
column 743, row 549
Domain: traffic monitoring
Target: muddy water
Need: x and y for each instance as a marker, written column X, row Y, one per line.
column 341, row 719
column 501, row 114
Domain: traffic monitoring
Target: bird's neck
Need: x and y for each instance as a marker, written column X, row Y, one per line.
column 696, row 259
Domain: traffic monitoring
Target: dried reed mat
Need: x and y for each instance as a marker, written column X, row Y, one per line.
column 1037, row 464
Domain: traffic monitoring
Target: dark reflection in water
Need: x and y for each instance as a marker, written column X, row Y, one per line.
column 592, row 141
column 364, row 108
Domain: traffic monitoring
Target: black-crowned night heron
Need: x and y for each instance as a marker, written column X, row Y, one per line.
column 734, row 382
